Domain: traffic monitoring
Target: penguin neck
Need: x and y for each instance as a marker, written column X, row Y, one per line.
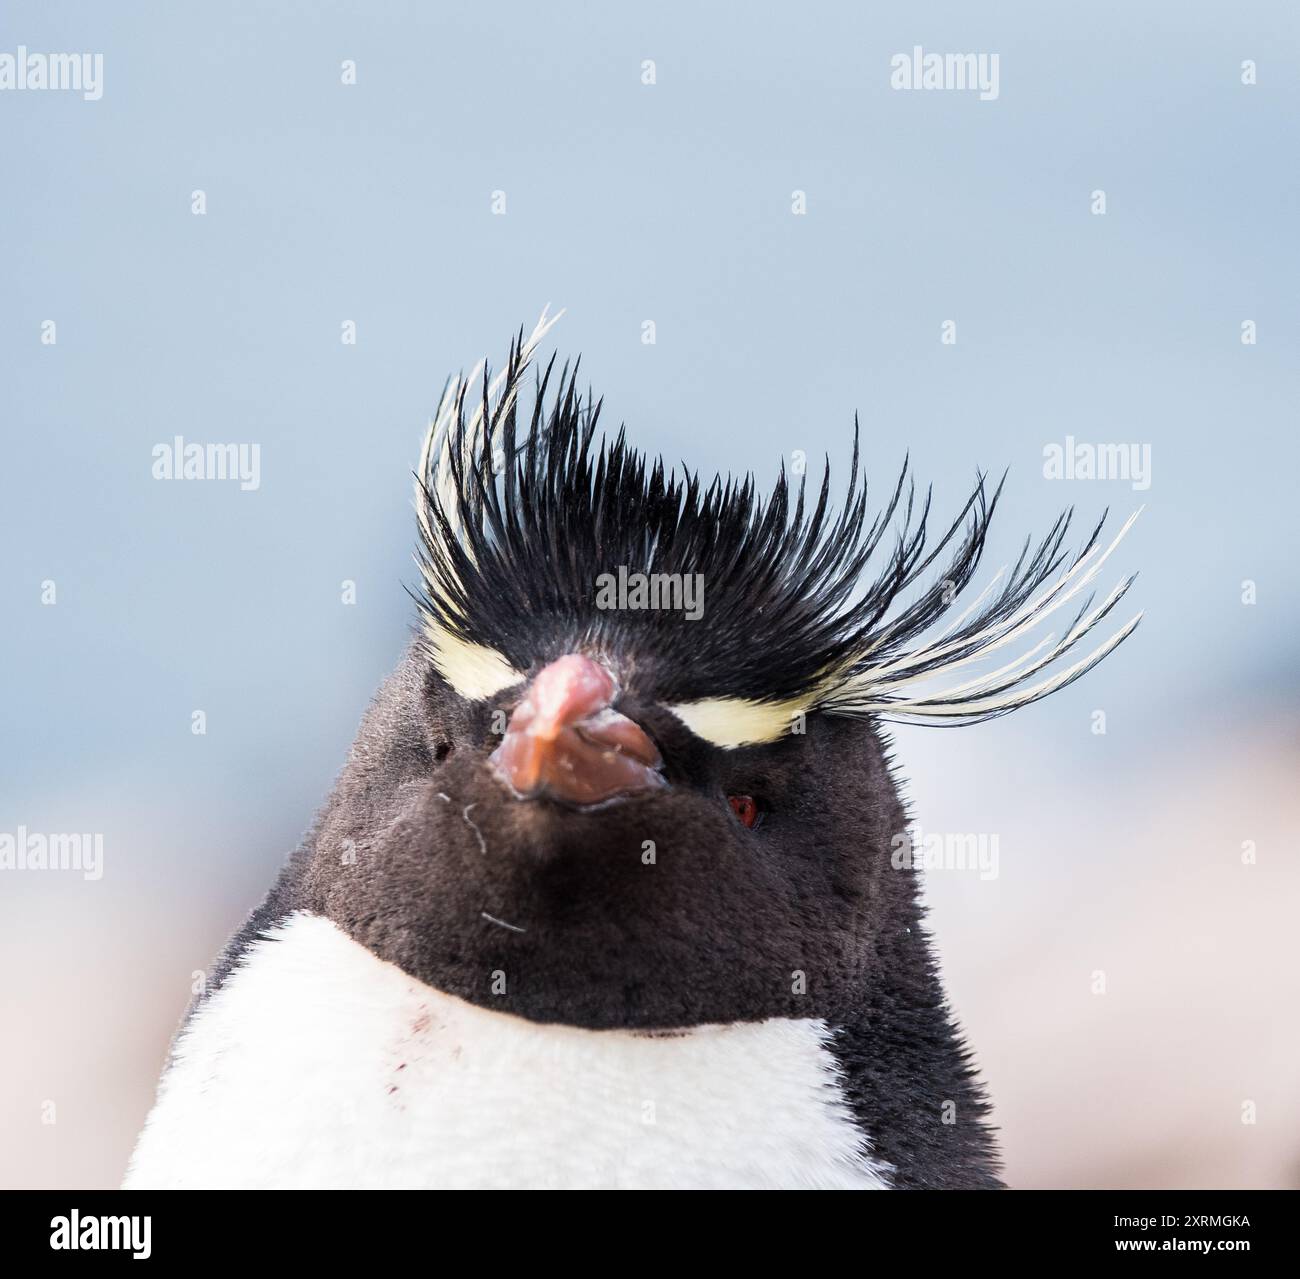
column 913, row 1081
column 351, row 1073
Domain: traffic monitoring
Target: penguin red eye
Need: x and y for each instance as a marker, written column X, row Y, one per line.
column 745, row 808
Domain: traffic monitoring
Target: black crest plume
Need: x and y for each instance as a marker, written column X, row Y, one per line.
column 518, row 521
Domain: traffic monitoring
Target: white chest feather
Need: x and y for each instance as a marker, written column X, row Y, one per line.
column 319, row 1065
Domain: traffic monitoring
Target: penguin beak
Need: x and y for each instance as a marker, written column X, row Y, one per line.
column 565, row 741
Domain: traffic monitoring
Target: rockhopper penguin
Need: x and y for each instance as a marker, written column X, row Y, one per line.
column 607, row 894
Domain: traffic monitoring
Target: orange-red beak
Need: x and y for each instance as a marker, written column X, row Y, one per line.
column 566, row 741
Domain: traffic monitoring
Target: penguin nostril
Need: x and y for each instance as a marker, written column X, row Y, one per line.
column 441, row 751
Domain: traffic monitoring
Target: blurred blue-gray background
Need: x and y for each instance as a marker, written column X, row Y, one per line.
column 674, row 203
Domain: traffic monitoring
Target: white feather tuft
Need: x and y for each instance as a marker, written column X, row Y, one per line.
column 474, row 671
column 904, row 687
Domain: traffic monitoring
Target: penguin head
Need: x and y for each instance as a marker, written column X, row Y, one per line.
column 633, row 772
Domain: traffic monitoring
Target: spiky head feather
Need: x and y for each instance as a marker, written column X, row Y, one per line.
column 520, row 518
